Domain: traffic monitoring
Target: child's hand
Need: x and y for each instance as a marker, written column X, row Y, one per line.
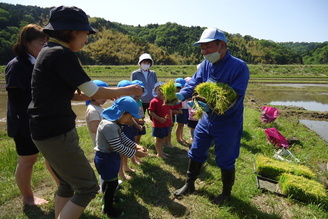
column 141, row 151
column 141, row 121
column 162, row 120
column 141, row 148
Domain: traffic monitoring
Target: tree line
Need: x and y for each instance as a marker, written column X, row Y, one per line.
column 169, row 44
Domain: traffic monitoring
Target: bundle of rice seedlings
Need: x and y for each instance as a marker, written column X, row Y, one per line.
column 169, row 92
column 303, row 189
column 273, row 169
column 218, row 96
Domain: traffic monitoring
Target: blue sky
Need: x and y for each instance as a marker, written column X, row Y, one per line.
column 278, row 20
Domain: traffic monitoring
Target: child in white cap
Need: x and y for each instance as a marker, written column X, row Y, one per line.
column 111, row 142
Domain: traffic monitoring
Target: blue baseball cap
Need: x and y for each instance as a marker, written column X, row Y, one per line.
column 124, row 83
column 155, row 86
column 141, row 85
column 211, row 34
column 99, row 83
column 178, row 85
column 180, row 81
column 121, row 105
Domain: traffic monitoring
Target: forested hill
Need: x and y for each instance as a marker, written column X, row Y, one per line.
column 170, row 43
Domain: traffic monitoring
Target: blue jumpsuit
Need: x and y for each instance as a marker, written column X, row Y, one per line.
column 224, row 130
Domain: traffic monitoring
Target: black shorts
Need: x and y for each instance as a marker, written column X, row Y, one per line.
column 192, row 124
column 25, row 146
column 183, row 118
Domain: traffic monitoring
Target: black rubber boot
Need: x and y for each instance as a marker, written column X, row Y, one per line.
column 228, row 179
column 192, row 174
column 109, row 188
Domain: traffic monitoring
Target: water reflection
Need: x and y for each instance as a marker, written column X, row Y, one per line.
column 309, row 105
column 272, row 95
column 320, row 127
column 299, row 85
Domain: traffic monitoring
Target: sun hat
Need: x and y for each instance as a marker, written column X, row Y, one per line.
column 178, row 85
column 211, row 34
column 144, row 57
column 159, row 83
column 141, row 85
column 68, row 18
column 124, row 83
column 99, row 83
column 122, row 104
column 180, row 81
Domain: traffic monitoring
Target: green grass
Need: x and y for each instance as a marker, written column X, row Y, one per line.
column 149, row 193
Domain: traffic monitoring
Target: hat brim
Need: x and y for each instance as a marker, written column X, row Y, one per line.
column 203, row 41
column 67, row 26
column 113, row 113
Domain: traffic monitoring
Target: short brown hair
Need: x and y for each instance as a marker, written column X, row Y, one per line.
column 29, row 33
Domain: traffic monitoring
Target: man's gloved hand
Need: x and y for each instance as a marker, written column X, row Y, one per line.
column 191, row 103
column 180, row 97
column 203, row 105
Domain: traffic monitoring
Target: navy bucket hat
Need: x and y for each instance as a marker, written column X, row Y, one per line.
column 68, row 18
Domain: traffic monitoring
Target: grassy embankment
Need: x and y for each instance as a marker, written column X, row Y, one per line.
column 149, row 193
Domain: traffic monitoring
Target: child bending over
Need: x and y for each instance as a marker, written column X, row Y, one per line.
column 111, row 143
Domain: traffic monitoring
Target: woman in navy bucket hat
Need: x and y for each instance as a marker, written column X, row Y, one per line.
column 58, row 78
column 68, row 18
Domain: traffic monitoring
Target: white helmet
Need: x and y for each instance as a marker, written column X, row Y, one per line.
column 145, row 56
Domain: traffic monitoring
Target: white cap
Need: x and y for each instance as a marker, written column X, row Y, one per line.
column 211, row 34
column 145, row 56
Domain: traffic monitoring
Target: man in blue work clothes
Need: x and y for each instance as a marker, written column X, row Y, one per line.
column 224, row 130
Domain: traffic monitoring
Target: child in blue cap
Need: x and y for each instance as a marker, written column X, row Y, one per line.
column 130, row 131
column 181, row 118
column 92, row 114
column 111, row 142
column 141, row 130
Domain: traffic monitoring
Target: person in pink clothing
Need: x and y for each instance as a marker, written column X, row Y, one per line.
column 192, row 121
